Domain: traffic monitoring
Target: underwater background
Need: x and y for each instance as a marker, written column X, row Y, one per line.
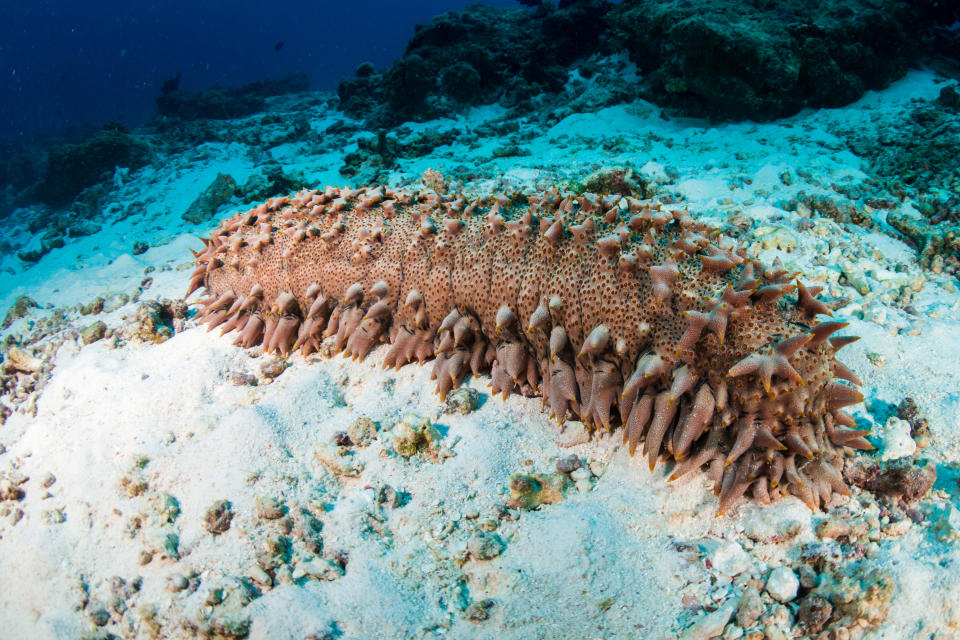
column 66, row 65
column 161, row 480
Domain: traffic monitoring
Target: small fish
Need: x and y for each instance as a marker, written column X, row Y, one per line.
column 278, row 46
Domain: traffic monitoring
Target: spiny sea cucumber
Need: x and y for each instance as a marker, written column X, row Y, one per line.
column 615, row 310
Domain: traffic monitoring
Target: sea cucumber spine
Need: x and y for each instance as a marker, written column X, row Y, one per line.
column 615, row 310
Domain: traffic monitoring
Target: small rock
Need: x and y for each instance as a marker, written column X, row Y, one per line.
column 83, row 228
column 584, row 485
column 597, row 468
column 777, row 523
column 732, row 632
column 339, row 458
column 144, row 557
column 132, row 486
column 166, row 507
column 878, row 359
column 259, row 576
column 272, row 367
column 909, row 479
column 872, row 314
column 217, row 193
column 98, row 614
column 21, row 307
column 93, row 332
column 945, row 523
column 269, row 508
column 897, row 442
column 53, row 516
column 807, row 576
column 389, row 497
column 484, row 545
column 92, row 307
column 857, row 280
column 432, row 179
column 529, row 491
column 217, row 518
column 775, row 237
column 775, row 632
column 478, row 611
column 814, row 612
column 462, row 400
column 177, row 582
column 19, row 360
column 362, row 431
column 114, row 301
column 318, row 569
column 47, row 480
column 936, row 265
column 782, row 584
column 582, row 473
column 835, row 528
column 777, row 615
column 154, row 321
column 10, row 491
column 709, row 625
column 415, row 434
column 821, row 555
column 214, row 597
column 729, row 558
column 862, row 591
column 898, row 528
column 241, row 379
column 919, row 424
column 568, row 464
column 750, row 607
column 622, row 180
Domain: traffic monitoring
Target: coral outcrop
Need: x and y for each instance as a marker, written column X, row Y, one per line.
column 218, row 103
column 913, row 154
column 764, row 60
column 71, row 168
column 217, row 194
column 717, row 59
column 477, row 55
column 613, row 309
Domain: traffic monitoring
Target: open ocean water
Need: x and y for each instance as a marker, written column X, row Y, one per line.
column 66, row 65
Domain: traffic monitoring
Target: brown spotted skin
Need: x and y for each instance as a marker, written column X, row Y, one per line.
column 617, row 311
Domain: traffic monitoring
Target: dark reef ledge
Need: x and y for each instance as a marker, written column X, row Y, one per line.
column 716, row 59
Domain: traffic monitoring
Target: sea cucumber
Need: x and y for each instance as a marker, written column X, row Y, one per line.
column 615, row 310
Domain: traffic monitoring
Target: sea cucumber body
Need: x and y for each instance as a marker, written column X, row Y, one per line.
column 615, row 310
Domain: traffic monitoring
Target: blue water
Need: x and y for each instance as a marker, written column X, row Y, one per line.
column 64, row 63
